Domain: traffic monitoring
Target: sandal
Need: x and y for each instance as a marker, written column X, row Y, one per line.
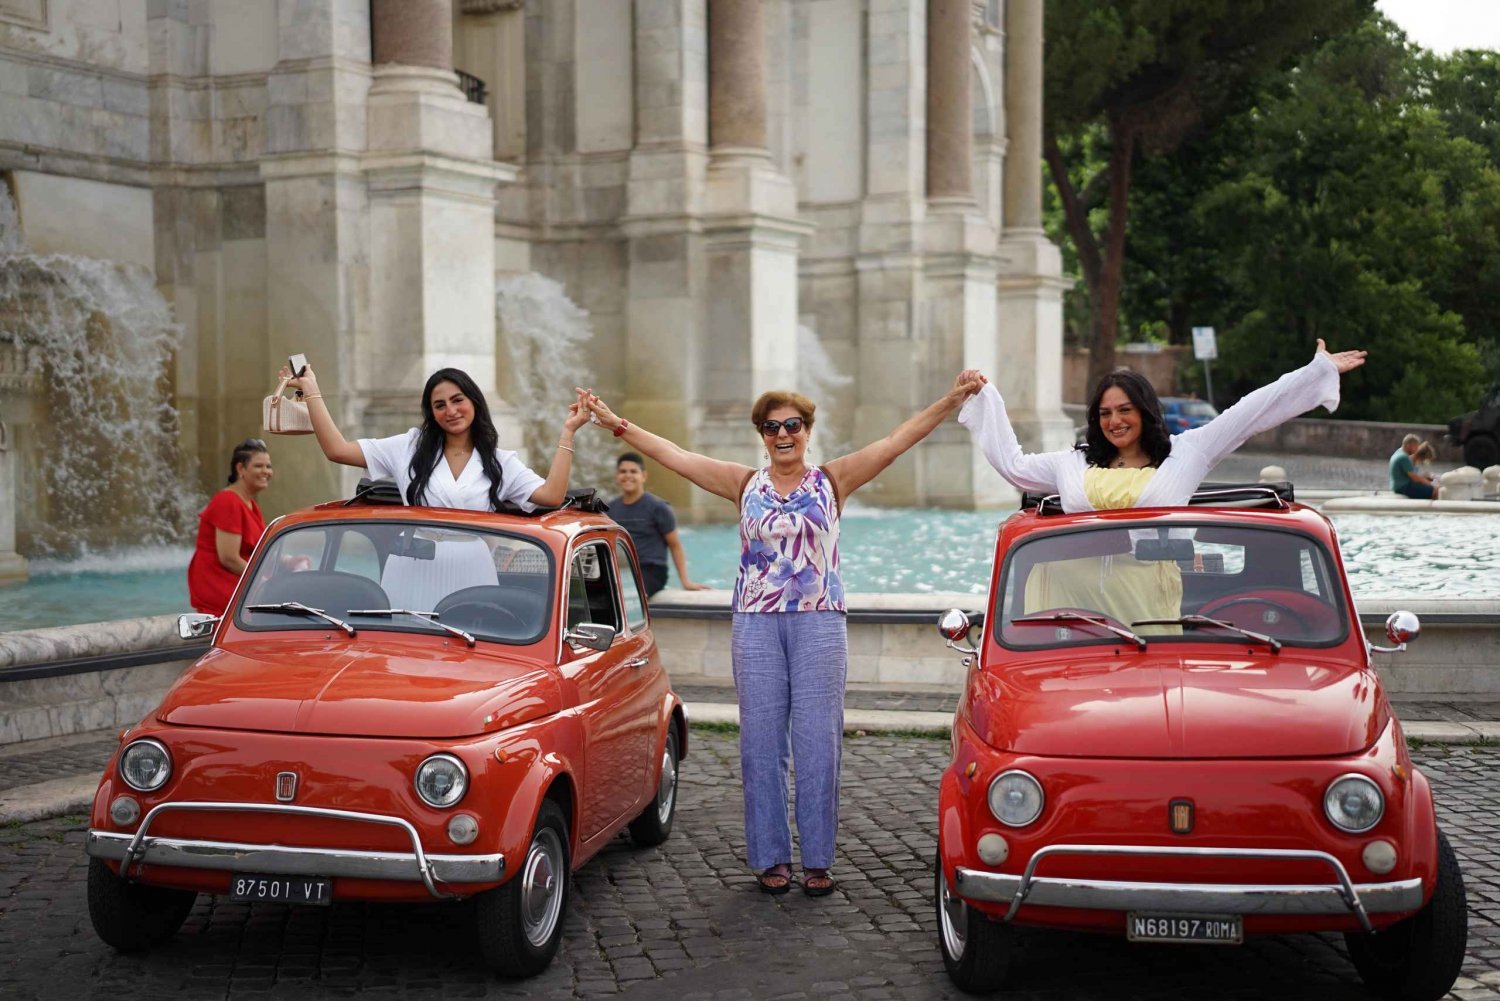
column 817, row 882
column 776, row 880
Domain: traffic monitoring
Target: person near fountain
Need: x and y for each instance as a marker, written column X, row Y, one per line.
column 651, row 524
column 454, row 458
column 228, row 529
column 1128, row 459
column 789, row 643
column 1406, row 479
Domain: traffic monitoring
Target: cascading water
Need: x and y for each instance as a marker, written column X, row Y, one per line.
column 818, row 379
column 92, row 340
column 546, row 337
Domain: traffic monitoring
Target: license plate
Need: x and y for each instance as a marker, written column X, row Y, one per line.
column 1224, row 929
column 281, row 889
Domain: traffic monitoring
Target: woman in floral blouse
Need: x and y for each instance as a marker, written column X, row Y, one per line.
column 789, row 646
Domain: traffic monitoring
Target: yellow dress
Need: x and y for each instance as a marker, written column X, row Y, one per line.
column 1118, row 585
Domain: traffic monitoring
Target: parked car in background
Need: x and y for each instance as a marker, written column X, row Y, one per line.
column 1182, row 413
column 402, row 703
column 1478, row 431
column 1172, row 730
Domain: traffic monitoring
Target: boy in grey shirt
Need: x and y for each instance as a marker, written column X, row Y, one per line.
column 651, row 524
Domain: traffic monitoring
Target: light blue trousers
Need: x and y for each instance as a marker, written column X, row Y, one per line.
column 789, row 673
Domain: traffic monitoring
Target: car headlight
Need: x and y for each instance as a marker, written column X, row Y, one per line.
column 1016, row 798
column 1354, row 803
column 145, row 765
column 442, row 780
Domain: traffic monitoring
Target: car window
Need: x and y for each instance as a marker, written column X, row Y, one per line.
column 492, row 585
column 635, row 605
column 1265, row 580
column 1198, row 408
column 591, row 588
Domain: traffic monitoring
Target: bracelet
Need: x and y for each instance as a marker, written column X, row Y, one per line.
column 621, row 427
column 566, row 447
column 313, row 396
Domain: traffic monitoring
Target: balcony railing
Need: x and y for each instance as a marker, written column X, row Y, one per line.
column 472, row 86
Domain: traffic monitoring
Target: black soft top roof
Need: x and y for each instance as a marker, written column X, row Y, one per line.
column 1278, row 494
column 385, row 492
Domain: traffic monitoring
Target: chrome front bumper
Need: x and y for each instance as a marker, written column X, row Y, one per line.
column 416, row 866
column 1340, row 897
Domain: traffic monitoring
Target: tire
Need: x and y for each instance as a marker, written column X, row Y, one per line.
column 654, row 825
column 520, row 922
column 1481, row 451
column 977, row 951
column 133, row 917
column 1419, row 958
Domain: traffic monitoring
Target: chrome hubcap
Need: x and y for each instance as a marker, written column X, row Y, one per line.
column 542, row 880
column 666, row 791
column 953, row 917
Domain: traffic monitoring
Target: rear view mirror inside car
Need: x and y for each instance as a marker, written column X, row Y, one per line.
column 415, row 548
column 1155, row 550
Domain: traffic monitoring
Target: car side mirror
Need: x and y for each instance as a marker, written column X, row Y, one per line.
column 196, row 625
column 591, row 635
column 1401, row 628
column 953, row 625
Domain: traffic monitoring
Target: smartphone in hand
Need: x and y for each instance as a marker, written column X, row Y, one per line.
column 298, row 365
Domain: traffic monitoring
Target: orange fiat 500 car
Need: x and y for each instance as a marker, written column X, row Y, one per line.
column 1172, row 731
column 400, row 704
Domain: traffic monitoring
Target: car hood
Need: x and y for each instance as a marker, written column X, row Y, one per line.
column 1149, row 706
column 430, row 690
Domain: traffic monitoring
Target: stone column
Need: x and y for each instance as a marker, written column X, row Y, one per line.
column 1023, row 116
column 412, row 32
column 949, row 114
column 736, row 76
column 12, row 564
column 1031, row 281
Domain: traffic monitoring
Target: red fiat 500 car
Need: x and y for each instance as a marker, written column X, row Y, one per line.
column 400, row 704
column 1172, row 730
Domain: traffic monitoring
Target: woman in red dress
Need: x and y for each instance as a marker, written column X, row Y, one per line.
column 228, row 529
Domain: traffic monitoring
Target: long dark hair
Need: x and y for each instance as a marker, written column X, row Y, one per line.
column 482, row 435
column 242, row 453
column 1155, row 440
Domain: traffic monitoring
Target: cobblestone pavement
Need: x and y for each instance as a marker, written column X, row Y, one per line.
column 685, row 921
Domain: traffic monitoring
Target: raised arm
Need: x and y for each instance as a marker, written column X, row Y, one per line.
column 714, row 475
column 854, row 470
column 330, row 438
column 554, row 490
column 989, row 425
column 1315, row 384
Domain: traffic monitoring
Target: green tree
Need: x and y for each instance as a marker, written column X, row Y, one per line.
column 1144, row 73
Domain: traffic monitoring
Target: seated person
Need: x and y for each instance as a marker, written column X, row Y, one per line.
column 1406, row 480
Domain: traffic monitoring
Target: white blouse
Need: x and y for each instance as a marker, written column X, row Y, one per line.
column 470, row 490
column 1194, row 453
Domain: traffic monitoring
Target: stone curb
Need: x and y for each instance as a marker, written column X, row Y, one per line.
column 75, row 794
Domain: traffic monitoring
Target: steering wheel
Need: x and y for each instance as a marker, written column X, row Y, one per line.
column 483, row 615
column 1296, row 620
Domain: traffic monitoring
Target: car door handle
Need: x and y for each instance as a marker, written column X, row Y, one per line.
column 638, row 662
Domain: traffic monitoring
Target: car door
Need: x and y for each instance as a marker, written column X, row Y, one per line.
column 649, row 679
column 603, row 681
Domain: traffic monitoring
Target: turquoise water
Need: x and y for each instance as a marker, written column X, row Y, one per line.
column 882, row 550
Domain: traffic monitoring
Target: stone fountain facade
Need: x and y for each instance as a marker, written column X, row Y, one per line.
column 700, row 175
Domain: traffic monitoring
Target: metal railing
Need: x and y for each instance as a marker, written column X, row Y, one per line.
column 473, row 87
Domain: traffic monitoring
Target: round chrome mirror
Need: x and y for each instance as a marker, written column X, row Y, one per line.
column 953, row 625
column 196, row 625
column 1402, row 627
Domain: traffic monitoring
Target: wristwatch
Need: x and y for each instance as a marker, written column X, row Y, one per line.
column 622, row 427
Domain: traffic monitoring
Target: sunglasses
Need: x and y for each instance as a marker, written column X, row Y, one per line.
column 771, row 428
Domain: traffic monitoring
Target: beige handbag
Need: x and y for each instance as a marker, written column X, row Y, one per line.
column 280, row 415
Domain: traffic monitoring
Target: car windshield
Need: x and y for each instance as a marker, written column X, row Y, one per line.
column 1274, row 585
column 491, row 585
column 1198, row 408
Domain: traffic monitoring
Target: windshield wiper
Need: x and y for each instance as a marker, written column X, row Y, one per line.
column 429, row 617
column 297, row 608
column 1092, row 620
column 1204, row 620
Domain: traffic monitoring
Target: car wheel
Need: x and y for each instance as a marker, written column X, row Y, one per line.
column 654, row 824
column 1419, row 958
column 977, row 951
column 1481, row 451
column 133, row 917
column 520, row 922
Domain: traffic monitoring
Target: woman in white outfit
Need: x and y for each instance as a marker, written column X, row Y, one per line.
column 452, row 460
column 1129, row 459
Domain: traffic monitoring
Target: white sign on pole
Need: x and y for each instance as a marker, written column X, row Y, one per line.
column 1205, row 348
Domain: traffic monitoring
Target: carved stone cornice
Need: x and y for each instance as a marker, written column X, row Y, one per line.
column 489, row 6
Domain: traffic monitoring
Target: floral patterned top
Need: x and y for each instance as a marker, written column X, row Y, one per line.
column 789, row 546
